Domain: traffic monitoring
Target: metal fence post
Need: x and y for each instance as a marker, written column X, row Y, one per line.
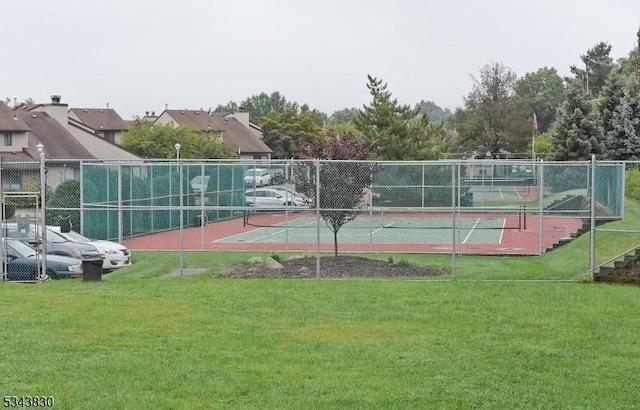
column 455, row 209
column 317, row 219
column 592, row 218
column 120, row 212
column 541, row 207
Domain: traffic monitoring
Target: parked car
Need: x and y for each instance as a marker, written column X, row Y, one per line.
column 24, row 263
column 56, row 244
column 116, row 255
column 289, row 191
column 272, row 198
column 257, row 177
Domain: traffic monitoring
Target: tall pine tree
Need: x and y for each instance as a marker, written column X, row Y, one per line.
column 623, row 138
column 577, row 134
column 398, row 131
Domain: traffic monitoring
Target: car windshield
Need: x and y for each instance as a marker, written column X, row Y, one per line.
column 76, row 237
column 253, row 172
column 55, row 237
column 21, row 249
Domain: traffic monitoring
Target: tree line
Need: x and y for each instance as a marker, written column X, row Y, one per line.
column 593, row 111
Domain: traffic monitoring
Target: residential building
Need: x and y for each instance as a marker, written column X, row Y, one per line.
column 232, row 129
column 22, row 131
column 98, row 130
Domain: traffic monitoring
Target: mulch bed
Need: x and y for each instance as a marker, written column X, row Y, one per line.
column 335, row 267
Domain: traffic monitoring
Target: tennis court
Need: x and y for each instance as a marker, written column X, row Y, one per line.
column 468, row 233
column 484, row 193
column 379, row 229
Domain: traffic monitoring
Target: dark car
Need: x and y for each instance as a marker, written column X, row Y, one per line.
column 24, row 263
column 56, row 244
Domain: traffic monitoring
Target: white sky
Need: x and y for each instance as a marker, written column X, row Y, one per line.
column 138, row 55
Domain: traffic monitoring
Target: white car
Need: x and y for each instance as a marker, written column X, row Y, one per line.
column 257, row 177
column 116, row 255
column 285, row 190
column 272, row 198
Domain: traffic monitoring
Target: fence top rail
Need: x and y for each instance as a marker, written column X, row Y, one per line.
column 284, row 162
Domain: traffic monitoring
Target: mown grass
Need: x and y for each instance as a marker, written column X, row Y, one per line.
column 136, row 340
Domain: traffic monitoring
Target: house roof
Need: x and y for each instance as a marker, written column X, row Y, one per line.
column 10, row 121
column 100, row 119
column 58, row 142
column 235, row 134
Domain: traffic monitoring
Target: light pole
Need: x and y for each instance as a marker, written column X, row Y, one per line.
column 177, row 147
column 43, row 225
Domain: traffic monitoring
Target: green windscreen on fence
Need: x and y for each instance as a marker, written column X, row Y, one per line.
column 147, row 197
column 609, row 183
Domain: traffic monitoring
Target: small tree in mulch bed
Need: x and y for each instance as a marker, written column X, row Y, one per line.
column 342, row 183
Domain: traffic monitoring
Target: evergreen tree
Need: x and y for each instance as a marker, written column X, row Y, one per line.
column 398, row 131
column 610, row 98
column 623, row 138
column 577, row 134
column 598, row 64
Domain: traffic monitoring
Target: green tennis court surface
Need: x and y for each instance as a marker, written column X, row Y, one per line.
column 492, row 193
column 378, row 230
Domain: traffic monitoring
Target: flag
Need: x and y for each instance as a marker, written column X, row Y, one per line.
column 535, row 123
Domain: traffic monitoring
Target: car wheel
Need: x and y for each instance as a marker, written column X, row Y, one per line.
column 52, row 274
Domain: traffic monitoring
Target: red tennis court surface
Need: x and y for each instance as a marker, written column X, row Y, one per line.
column 525, row 241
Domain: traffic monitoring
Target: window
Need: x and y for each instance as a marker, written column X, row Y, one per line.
column 8, row 139
column 110, row 136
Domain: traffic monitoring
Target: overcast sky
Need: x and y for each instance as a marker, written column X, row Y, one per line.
column 138, row 55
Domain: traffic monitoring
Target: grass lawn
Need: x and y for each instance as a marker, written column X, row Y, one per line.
column 139, row 341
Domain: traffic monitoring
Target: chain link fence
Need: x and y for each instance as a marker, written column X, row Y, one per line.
column 450, row 207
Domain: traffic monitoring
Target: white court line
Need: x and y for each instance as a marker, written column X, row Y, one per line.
column 501, row 193
column 504, row 223
column 471, row 231
column 272, row 234
column 517, row 193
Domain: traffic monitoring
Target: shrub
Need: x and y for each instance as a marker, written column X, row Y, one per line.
column 632, row 184
column 403, row 262
column 66, row 196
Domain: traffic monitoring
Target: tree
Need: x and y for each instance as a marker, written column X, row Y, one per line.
column 262, row 104
column 543, row 144
column 543, row 92
column 499, row 118
column 343, row 184
column 577, row 134
column 597, row 64
column 345, row 115
column 433, row 111
column 287, row 132
column 398, row 132
column 231, row 106
column 158, row 141
column 623, row 138
column 67, row 197
column 609, row 100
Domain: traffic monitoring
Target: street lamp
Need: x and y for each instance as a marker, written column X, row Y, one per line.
column 43, row 224
column 177, row 147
